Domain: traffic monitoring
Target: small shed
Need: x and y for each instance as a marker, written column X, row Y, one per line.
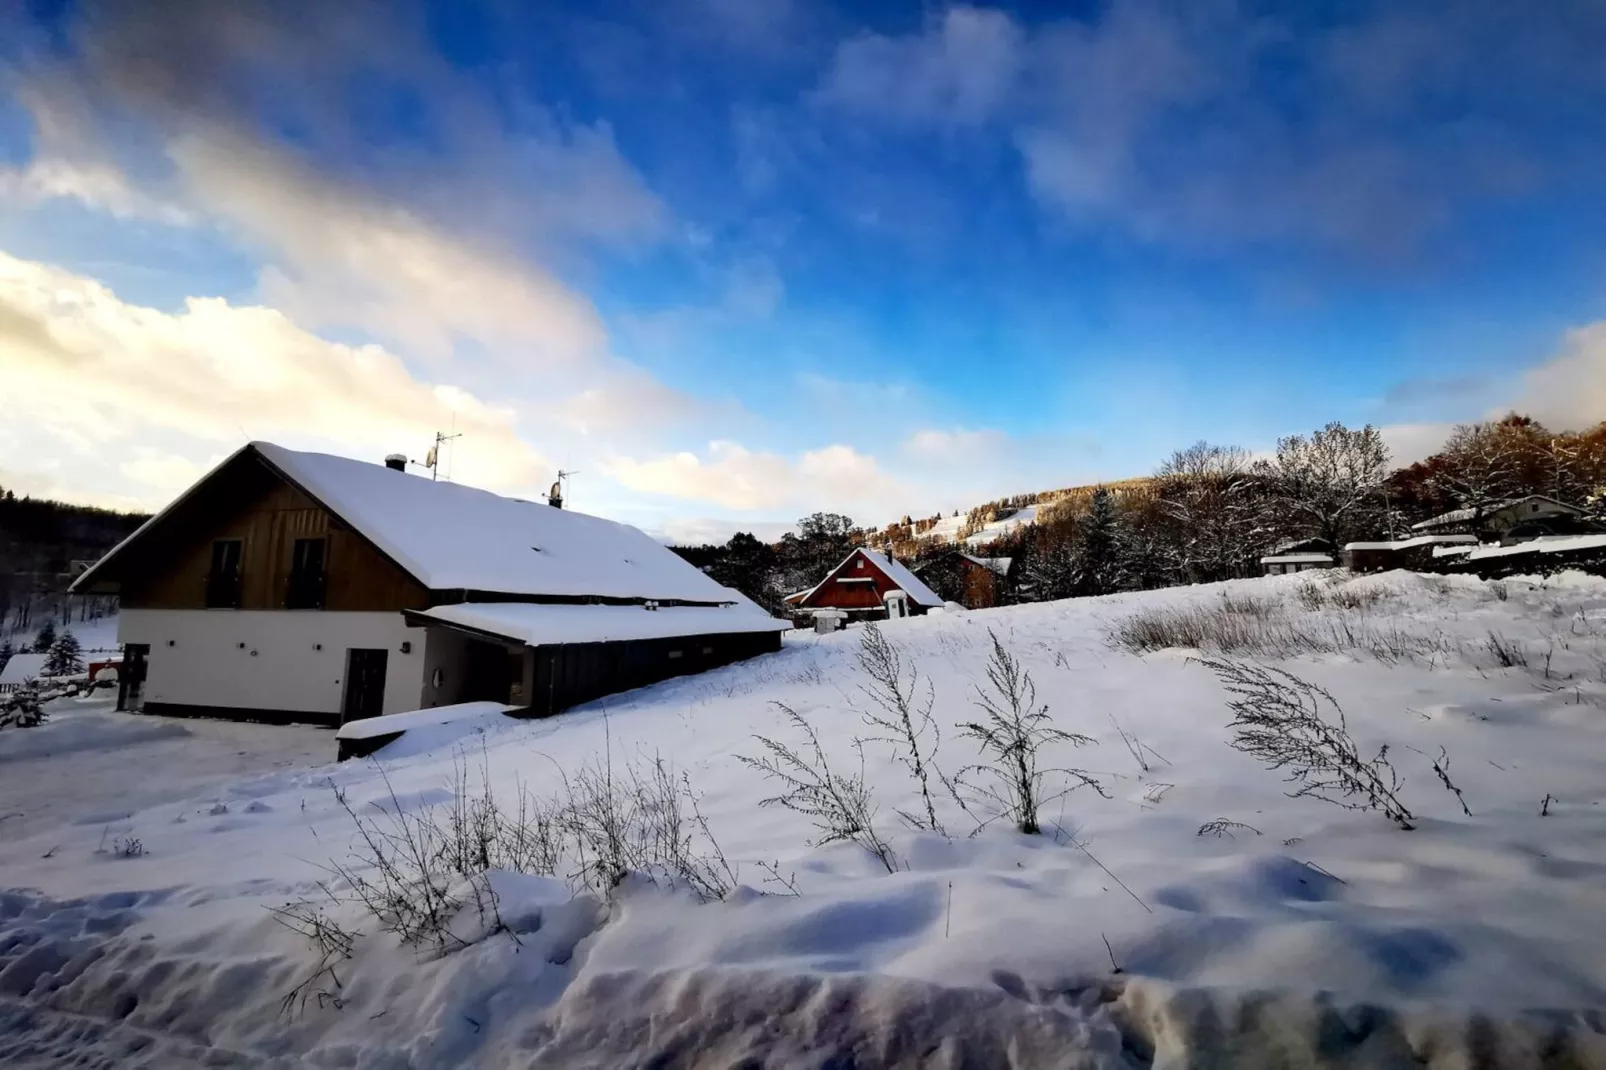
column 1413, row 553
column 1277, row 564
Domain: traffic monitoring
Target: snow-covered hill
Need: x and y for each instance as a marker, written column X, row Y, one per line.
column 1295, row 932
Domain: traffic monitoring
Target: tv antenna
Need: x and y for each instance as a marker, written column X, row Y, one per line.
column 555, row 495
column 432, row 459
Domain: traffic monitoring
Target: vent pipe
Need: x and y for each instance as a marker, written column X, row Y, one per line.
column 396, row 462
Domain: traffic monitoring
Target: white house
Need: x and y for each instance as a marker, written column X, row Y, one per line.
column 301, row 586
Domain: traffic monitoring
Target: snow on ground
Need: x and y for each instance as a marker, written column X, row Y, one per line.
column 1315, row 935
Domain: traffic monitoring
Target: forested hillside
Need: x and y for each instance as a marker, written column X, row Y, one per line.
column 39, row 542
column 1208, row 513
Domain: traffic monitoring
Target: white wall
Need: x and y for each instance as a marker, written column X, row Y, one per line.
column 196, row 657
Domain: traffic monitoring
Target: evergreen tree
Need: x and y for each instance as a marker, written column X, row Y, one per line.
column 6, row 650
column 65, row 657
column 1098, row 567
column 45, row 639
column 23, row 710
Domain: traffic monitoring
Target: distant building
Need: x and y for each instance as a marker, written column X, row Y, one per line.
column 288, row 586
column 867, row 585
column 1497, row 518
column 1416, row 553
column 973, row 582
column 1298, row 555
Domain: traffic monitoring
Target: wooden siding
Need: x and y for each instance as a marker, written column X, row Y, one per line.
column 252, row 503
column 568, row 675
column 847, row 587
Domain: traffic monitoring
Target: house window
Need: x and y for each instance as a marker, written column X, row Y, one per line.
column 859, row 563
column 306, row 585
column 223, row 578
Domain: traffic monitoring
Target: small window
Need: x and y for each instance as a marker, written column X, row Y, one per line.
column 223, row 580
column 859, row 563
column 673, row 654
column 305, row 588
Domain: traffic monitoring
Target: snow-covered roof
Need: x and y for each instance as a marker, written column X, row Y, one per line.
column 1414, row 541
column 1453, row 550
column 546, row 624
column 1461, row 516
column 898, row 573
column 369, row 727
column 1000, row 565
column 1546, row 544
column 22, row 668
column 454, row 537
column 1297, row 559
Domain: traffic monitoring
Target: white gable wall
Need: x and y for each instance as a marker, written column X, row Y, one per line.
column 206, row 666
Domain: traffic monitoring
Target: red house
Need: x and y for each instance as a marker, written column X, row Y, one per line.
column 868, row 585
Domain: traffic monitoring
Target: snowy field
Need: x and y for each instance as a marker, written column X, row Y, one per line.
column 1126, row 934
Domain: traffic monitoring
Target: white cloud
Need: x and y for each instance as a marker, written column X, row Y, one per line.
column 1568, row 391
column 342, row 259
column 956, row 445
column 103, row 374
column 959, row 70
column 735, row 477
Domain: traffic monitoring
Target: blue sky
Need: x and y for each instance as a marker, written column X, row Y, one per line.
column 737, row 260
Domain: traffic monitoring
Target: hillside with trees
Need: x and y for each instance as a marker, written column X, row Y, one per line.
column 41, row 542
column 1209, row 512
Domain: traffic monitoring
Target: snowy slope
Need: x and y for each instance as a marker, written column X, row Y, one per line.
column 1307, row 931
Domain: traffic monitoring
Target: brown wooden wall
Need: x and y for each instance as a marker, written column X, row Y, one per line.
column 834, row 594
column 250, row 502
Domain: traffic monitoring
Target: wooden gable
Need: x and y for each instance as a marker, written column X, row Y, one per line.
column 857, row 583
column 165, row 566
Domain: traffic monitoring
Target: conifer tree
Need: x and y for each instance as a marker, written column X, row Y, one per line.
column 65, row 657
column 1099, row 567
column 45, row 639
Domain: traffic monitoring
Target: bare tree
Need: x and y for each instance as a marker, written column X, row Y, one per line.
column 1210, row 493
column 1481, row 468
column 1331, row 482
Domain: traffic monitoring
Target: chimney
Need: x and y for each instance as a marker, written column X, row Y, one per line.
column 396, row 462
column 555, row 498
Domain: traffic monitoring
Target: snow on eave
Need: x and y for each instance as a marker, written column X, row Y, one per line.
column 547, row 624
column 1547, row 544
column 1297, row 559
column 1414, row 541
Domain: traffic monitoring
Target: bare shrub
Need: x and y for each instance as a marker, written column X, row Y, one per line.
column 1215, row 631
column 1315, row 596
column 839, row 805
column 1248, row 605
column 902, row 717
column 1223, row 827
column 1292, row 724
column 645, row 821
column 414, row 873
column 1014, row 730
column 1507, row 653
column 334, row 944
column 1441, row 769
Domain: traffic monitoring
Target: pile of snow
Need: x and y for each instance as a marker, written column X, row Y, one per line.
column 421, row 731
column 1471, row 938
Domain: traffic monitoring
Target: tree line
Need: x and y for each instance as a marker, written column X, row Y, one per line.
column 1210, row 511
